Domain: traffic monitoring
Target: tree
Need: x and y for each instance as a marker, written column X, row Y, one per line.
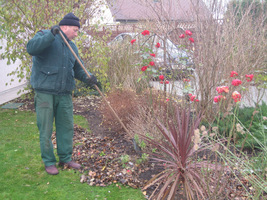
column 254, row 8
column 21, row 19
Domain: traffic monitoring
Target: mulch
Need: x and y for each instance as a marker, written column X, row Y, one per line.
column 100, row 150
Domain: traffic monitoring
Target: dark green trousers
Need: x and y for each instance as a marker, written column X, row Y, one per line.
column 48, row 108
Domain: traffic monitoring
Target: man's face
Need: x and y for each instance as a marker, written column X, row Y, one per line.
column 70, row 31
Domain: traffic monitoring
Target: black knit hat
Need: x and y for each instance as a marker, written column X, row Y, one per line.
column 70, row 20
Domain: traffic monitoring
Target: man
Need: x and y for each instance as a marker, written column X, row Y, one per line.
column 53, row 71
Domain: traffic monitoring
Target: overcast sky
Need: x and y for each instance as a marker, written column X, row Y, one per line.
column 224, row 1
column 220, row 10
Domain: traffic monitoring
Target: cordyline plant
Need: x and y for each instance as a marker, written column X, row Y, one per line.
column 177, row 157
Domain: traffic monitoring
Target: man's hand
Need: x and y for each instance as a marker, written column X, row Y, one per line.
column 55, row 29
column 91, row 81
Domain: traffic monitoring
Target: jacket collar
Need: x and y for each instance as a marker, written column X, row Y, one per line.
column 65, row 37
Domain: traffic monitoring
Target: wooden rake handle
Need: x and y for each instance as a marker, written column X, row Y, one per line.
column 96, row 87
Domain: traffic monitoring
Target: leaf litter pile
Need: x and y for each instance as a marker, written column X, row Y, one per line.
column 109, row 157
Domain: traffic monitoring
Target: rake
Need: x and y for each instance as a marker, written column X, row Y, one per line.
column 96, row 87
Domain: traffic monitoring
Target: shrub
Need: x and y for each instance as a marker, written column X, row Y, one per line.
column 247, row 125
column 136, row 110
column 176, row 153
column 122, row 71
column 252, row 132
column 125, row 104
column 222, row 46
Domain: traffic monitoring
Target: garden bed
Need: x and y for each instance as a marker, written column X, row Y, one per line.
column 101, row 152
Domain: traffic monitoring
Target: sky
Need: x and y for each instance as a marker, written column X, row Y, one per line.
column 223, row 1
column 222, row 10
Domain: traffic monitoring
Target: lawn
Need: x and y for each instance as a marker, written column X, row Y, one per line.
column 22, row 173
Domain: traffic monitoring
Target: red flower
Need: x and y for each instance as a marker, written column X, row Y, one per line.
column 161, row 82
column 218, row 98
column 144, row 68
column 132, row 41
column 233, row 74
column 153, row 55
column 182, row 36
column 167, row 100
column 186, row 80
column 191, row 40
column 167, row 82
column 192, row 97
column 161, row 77
column 187, row 32
column 222, row 89
column 152, row 63
column 249, row 77
column 145, row 32
column 236, row 96
column 157, row 45
column 236, row 82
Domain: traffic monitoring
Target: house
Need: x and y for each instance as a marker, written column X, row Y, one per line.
column 176, row 15
column 133, row 11
column 9, row 90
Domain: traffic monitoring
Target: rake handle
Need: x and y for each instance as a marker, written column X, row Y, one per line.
column 96, row 87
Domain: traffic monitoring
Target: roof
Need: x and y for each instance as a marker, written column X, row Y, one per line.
column 177, row 10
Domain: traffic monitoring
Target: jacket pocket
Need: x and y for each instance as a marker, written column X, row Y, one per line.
column 70, row 84
column 48, row 79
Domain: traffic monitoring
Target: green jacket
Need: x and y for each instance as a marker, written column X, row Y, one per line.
column 54, row 67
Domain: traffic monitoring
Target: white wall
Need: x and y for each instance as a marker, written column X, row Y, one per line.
column 102, row 14
column 9, row 91
column 6, row 69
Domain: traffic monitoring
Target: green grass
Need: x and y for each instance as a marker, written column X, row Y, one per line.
column 22, row 173
column 81, row 121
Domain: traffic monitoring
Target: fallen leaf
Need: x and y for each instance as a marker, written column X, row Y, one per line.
column 83, row 178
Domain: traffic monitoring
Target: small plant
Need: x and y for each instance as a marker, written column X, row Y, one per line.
column 125, row 159
column 143, row 159
column 139, row 142
column 102, row 153
column 176, row 155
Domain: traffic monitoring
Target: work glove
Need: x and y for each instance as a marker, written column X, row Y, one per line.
column 99, row 85
column 55, row 30
column 95, row 91
column 91, row 81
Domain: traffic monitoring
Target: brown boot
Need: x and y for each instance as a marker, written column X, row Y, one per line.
column 70, row 164
column 51, row 170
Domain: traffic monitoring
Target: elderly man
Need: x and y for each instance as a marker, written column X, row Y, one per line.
column 53, row 71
